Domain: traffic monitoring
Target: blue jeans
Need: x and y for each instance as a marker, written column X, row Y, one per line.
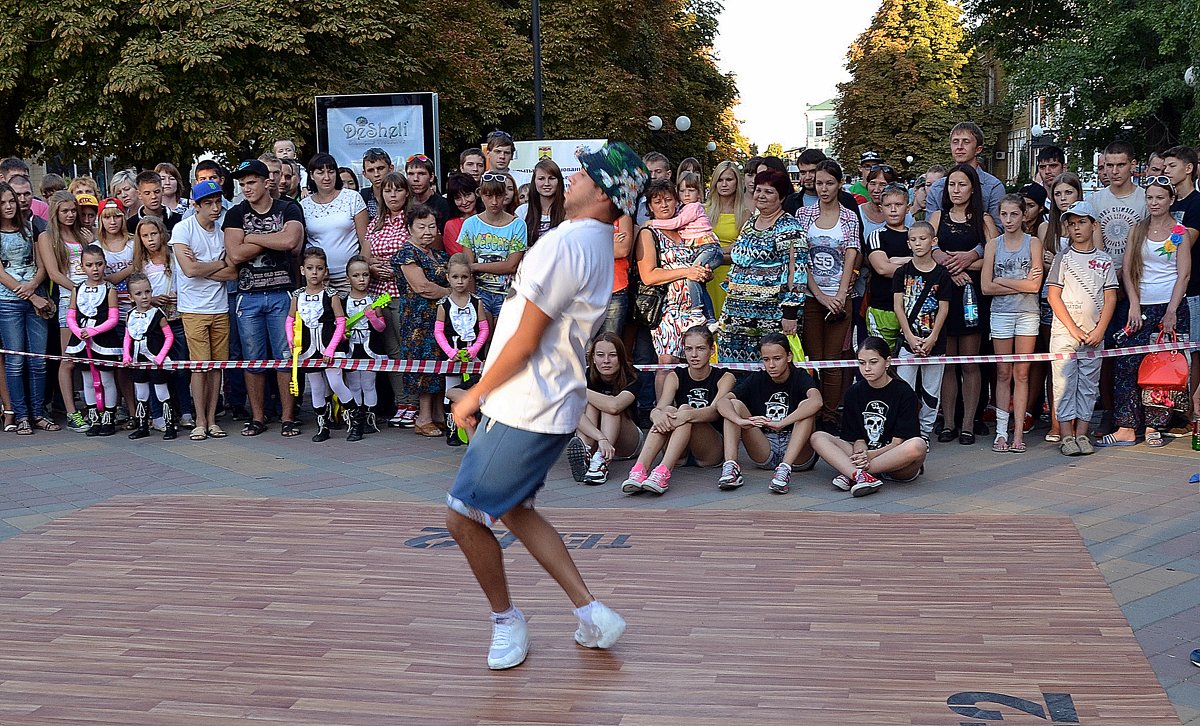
column 617, row 313
column 492, row 301
column 22, row 329
column 709, row 256
column 262, row 325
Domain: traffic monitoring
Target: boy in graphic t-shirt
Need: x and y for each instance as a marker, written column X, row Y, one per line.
column 1083, row 295
column 921, row 290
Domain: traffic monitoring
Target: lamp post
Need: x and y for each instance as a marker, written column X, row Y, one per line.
column 537, row 70
column 655, row 123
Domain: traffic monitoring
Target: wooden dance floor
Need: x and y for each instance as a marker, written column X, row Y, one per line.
column 215, row 610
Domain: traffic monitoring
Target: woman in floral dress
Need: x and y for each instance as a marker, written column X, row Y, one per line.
column 420, row 273
column 768, row 276
column 664, row 258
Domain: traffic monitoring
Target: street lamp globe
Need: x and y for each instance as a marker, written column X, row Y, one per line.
column 654, row 123
column 683, row 123
column 711, row 146
column 1189, row 76
column 1036, row 130
column 908, row 159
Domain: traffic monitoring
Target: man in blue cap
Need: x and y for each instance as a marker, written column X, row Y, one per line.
column 531, row 396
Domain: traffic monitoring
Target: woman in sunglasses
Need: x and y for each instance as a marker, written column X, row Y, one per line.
column 1157, row 268
column 495, row 241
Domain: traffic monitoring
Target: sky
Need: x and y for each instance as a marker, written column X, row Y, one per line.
column 787, row 54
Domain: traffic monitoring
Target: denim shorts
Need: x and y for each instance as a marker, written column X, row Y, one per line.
column 492, row 301
column 262, row 325
column 1009, row 325
column 504, row 468
column 779, row 441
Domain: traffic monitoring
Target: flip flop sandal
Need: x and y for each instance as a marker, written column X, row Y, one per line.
column 45, row 424
column 1017, row 448
column 216, row 432
column 1000, row 445
column 1053, row 438
column 198, row 434
column 1155, row 440
column 1111, row 440
column 254, row 428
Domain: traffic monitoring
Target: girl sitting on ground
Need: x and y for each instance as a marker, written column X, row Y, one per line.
column 880, row 435
column 606, row 431
column 686, row 419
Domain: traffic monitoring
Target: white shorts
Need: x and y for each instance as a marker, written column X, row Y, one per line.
column 1008, row 325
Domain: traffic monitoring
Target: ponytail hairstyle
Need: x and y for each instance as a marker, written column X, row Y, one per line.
column 875, row 344
column 775, row 339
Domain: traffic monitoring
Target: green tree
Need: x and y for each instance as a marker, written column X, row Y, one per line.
column 913, row 76
column 146, row 80
column 1115, row 67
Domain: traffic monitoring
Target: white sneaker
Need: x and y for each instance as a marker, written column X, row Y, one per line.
column 843, row 482
column 159, row 424
column 731, row 476
column 597, row 472
column 781, row 481
column 510, row 643
column 187, row 421
column 603, row 631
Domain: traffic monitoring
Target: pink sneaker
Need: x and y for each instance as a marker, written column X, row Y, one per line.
column 633, row 484
column 658, row 481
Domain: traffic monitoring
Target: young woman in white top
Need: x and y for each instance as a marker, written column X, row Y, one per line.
column 335, row 219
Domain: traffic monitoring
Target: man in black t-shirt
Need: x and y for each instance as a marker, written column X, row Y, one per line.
column 262, row 237
column 419, row 170
column 1182, row 166
column 772, row 412
column 149, row 189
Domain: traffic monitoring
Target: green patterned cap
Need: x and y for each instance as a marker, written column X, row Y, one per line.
column 619, row 171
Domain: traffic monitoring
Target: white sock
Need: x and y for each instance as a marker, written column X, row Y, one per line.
column 1002, row 424
column 511, row 614
column 585, row 613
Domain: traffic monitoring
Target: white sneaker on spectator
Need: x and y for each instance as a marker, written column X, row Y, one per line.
column 781, row 481
column 731, row 476
column 604, row 628
column 510, row 642
column 843, row 482
column 597, row 472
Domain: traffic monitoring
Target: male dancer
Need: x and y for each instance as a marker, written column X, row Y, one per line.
column 532, row 393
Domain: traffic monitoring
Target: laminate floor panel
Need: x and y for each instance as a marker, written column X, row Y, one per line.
column 220, row 610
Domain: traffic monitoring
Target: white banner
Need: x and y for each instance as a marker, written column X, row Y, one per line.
column 398, row 130
column 564, row 152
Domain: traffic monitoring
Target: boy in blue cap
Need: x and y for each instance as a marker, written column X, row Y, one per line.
column 1083, row 293
column 531, row 396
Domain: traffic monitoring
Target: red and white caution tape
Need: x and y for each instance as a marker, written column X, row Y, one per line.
column 454, row 367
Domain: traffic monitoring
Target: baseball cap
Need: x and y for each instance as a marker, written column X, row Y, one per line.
column 88, row 200
column 1036, row 192
column 107, row 203
column 1079, row 209
column 868, row 157
column 251, row 166
column 205, row 189
column 619, row 172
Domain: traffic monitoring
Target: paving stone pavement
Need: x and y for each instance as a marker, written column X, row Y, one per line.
column 1133, row 506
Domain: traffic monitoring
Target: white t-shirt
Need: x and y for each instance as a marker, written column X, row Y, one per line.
column 1083, row 277
column 1118, row 215
column 568, row 275
column 827, row 255
column 331, row 227
column 200, row 294
column 1159, row 272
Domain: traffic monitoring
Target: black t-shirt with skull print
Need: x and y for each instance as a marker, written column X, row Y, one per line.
column 765, row 397
column 878, row 415
column 698, row 394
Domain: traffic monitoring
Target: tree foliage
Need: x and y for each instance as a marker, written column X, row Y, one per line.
column 913, row 76
column 1116, row 67
column 148, row 80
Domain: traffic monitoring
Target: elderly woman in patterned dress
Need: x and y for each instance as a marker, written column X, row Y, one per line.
column 768, row 274
column 664, row 258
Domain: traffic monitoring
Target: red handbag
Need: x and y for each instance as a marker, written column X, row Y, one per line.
column 1164, row 370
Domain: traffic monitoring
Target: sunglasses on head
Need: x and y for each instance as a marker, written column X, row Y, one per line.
column 498, row 134
column 881, row 167
column 375, row 151
column 491, row 176
column 417, row 157
column 1162, row 181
